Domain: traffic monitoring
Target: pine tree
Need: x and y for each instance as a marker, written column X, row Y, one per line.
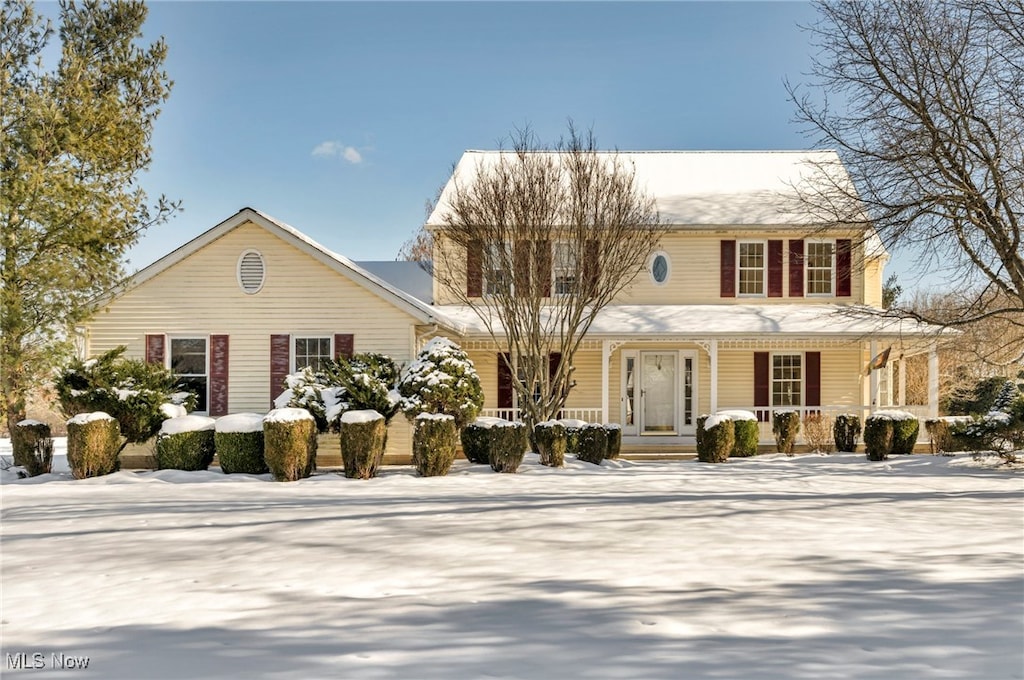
column 75, row 138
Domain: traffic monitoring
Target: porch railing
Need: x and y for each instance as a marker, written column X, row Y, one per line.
column 591, row 415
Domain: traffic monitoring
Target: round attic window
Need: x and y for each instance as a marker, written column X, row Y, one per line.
column 251, row 272
column 660, row 267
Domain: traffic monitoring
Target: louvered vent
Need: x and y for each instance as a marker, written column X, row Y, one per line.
column 251, row 272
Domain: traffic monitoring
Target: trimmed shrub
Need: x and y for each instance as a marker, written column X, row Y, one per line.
column 572, row 433
column 33, row 447
column 507, row 447
column 289, row 443
column 185, row 443
column 364, row 435
column 476, row 443
column 716, row 437
column 846, row 432
column 433, row 444
column 818, row 432
column 238, row 439
column 369, row 381
column 94, row 440
column 441, row 379
column 551, row 440
column 878, row 436
column 593, row 444
column 614, row 432
column 746, row 433
column 904, row 435
column 785, row 427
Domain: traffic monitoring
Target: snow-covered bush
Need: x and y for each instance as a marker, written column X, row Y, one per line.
column 846, row 432
column 369, row 380
column 32, row 446
column 238, row 439
column 592, row 444
column 289, row 443
column 476, row 440
column 745, row 432
column 94, row 440
column 130, row 390
column 716, row 436
column 614, row 432
column 818, row 433
column 508, row 443
column 185, row 443
column 434, row 444
column 550, row 438
column 313, row 391
column 785, row 427
column 441, row 379
column 878, row 436
column 363, row 438
column 905, row 428
column 572, row 433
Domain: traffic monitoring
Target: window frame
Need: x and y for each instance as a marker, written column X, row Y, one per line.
column 772, row 380
column 807, row 267
column 493, row 256
column 169, row 363
column 293, row 349
column 559, row 270
column 668, row 267
column 740, row 269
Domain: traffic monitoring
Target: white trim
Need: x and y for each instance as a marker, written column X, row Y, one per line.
column 263, row 270
column 771, row 378
column 169, row 339
column 806, row 268
column 713, row 356
column 668, row 267
column 764, row 268
column 307, row 336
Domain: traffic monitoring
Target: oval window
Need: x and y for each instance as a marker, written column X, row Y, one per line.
column 251, row 272
column 659, row 268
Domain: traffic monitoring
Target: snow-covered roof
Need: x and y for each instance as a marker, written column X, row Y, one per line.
column 410, row 277
column 706, row 188
column 729, row 321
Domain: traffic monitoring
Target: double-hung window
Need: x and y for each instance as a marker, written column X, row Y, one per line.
column 751, row 269
column 497, row 279
column 310, row 352
column 189, row 363
column 787, row 379
column 820, row 267
column 565, row 269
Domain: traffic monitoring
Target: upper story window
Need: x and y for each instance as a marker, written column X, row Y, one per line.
column 751, row 269
column 311, row 352
column 497, row 280
column 787, row 379
column 660, row 267
column 565, row 269
column 820, row 267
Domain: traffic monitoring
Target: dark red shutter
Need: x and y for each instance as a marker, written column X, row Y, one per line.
column 796, row 268
column 542, row 266
column 218, row 375
column 728, row 269
column 504, row 381
column 844, row 267
column 554, row 360
column 812, row 378
column 280, row 362
column 344, row 345
column 774, row 268
column 475, row 269
column 591, row 267
column 155, row 349
column 521, row 264
column 762, row 384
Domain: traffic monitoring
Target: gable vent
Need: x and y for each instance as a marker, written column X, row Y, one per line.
column 251, row 272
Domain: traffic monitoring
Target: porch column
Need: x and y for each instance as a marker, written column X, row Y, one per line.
column 933, row 382
column 713, row 354
column 606, row 358
column 872, row 376
column 903, row 382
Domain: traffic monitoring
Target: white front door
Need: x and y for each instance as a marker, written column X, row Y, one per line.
column 659, row 392
column 659, row 388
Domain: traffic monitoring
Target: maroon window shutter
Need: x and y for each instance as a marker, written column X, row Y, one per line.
column 844, row 267
column 796, row 268
column 280, row 362
column 218, row 375
column 542, row 264
column 728, row 269
column 504, row 381
column 591, row 268
column 344, row 345
column 774, row 268
column 554, row 359
column 155, row 345
column 762, row 384
column 812, row 378
column 475, row 269
column 521, row 264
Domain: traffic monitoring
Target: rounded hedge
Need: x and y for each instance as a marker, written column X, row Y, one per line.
column 846, row 431
column 785, row 427
column 592, row 444
column 878, row 437
column 32, row 447
column 551, row 442
column 716, row 436
column 363, row 438
column 507, row 446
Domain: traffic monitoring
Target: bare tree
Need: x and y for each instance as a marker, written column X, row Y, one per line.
column 537, row 241
column 931, row 129
column 419, row 248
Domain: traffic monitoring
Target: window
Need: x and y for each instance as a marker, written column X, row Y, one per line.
column 496, row 272
column 787, row 379
column 660, row 268
column 188, row 363
column 751, row 269
column 310, row 352
column 564, row 269
column 820, row 267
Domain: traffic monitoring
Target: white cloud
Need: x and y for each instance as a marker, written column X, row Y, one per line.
column 334, row 149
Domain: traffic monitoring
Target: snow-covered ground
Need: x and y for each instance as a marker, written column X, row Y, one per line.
column 808, row 567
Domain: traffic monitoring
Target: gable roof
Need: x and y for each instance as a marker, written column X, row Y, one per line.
column 412, row 277
column 418, row 309
column 706, row 188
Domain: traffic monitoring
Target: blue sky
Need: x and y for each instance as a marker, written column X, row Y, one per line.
column 344, row 119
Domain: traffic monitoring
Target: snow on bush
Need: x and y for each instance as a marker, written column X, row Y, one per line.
column 187, row 424
column 592, row 444
column 785, row 427
column 32, row 447
column 508, row 444
column 289, row 440
column 846, row 431
column 94, row 440
column 170, row 410
column 238, row 440
column 441, row 379
column 314, row 392
column 434, row 443
column 364, row 435
column 551, row 441
column 185, row 443
column 240, row 422
column 716, row 436
column 738, row 414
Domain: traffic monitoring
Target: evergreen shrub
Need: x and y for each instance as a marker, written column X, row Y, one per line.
column 238, row 439
column 592, row 444
column 289, row 440
column 94, row 440
column 785, row 427
column 185, row 443
column 32, row 447
column 878, row 437
column 434, row 444
column 476, row 440
column 507, row 447
column 441, row 379
column 551, row 440
column 572, row 434
column 904, row 435
column 363, row 438
column 745, row 431
column 716, row 437
column 846, row 432
column 614, row 440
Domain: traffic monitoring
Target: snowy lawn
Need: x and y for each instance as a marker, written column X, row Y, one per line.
column 809, row 567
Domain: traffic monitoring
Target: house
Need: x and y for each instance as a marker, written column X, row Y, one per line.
column 748, row 303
